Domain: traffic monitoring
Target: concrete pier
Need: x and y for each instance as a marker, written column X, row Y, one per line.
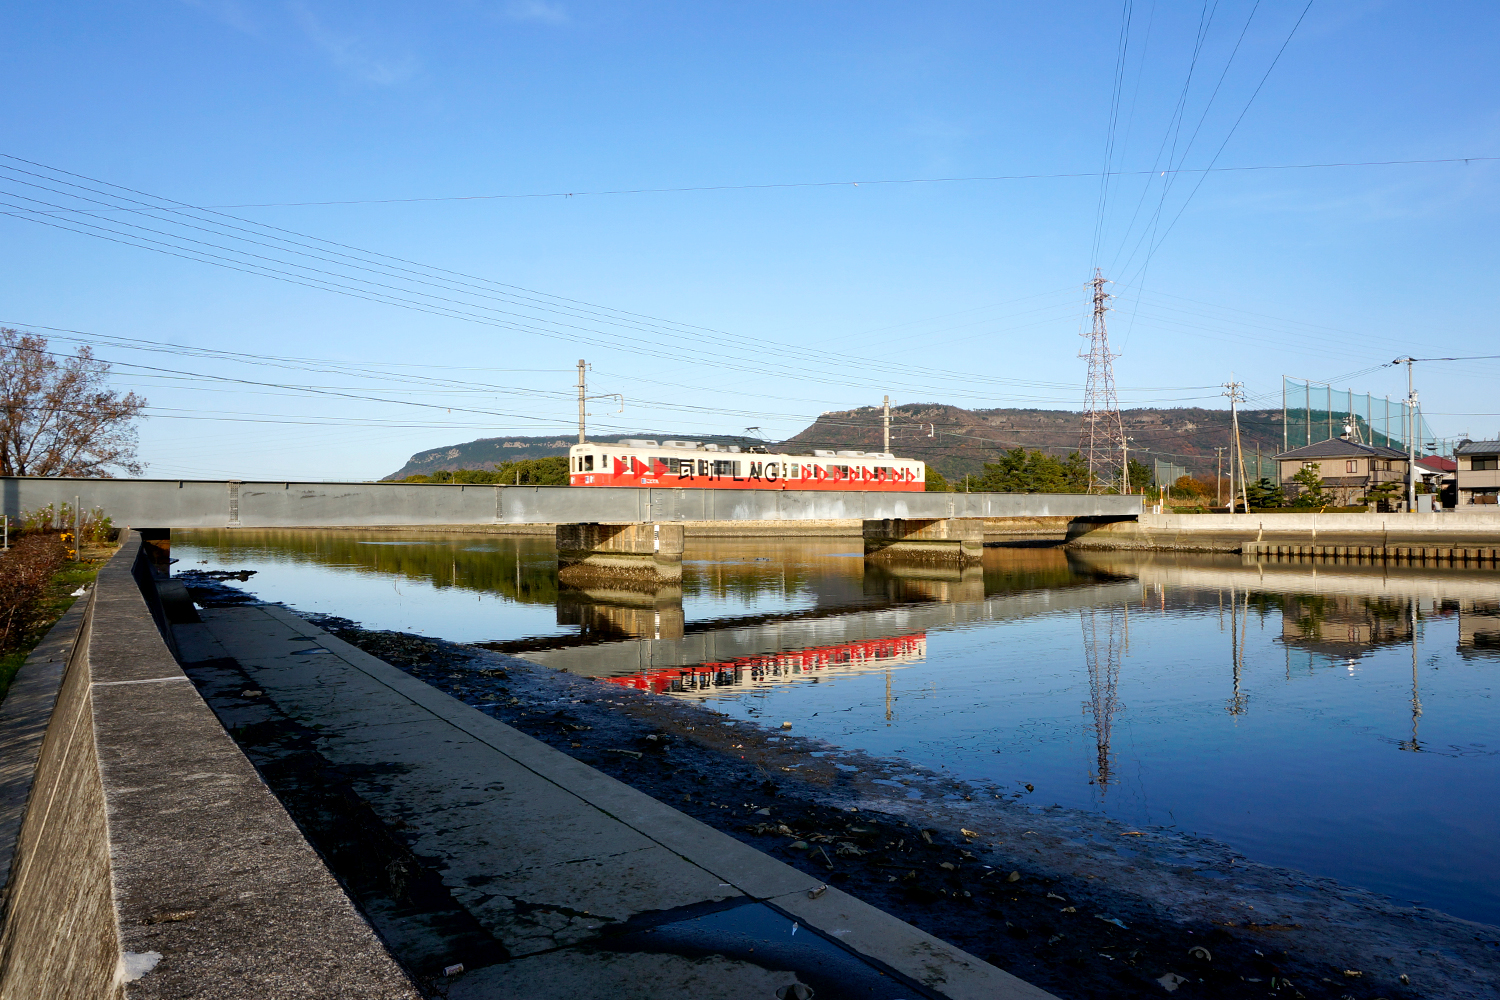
column 945, row 541
column 588, row 553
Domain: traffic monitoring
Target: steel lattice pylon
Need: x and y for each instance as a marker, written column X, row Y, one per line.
column 1103, row 439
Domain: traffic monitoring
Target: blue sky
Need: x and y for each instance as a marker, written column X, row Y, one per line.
column 751, row 304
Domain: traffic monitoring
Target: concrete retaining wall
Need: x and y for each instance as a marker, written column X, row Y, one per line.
column 172, row 503
column 1229, row 532
column 151, row 860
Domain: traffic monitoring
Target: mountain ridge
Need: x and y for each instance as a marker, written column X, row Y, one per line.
column 953, row 440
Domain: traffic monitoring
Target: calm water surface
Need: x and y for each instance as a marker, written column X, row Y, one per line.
column 1337, row 719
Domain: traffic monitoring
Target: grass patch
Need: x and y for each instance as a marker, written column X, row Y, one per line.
column 54, row 604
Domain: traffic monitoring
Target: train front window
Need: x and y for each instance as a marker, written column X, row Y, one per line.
column 588, row 463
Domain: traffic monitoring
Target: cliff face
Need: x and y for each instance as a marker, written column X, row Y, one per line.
column 951, row 439
column 956, row 441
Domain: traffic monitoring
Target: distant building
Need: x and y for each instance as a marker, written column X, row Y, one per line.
column 1478, row 472
column 1348, row 469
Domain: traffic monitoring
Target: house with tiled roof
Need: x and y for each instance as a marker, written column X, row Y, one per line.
column 1348, row 469
column 1478, row 472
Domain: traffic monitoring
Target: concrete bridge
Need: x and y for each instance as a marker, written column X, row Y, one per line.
column 196, row 503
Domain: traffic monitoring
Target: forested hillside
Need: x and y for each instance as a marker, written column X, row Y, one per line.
column 957, row 442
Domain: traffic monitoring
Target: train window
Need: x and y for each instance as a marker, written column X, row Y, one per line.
column 723, row 467
column 588, row 463
column 702, row 466
column 796, row 471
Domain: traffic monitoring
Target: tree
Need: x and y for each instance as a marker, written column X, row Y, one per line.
column 1141, row 476
column 1190, row 488
column 1022, row 471
column 1265, row 493
column 937, row 482
column 549, row 471
column 1311, row 494
column 57, row 415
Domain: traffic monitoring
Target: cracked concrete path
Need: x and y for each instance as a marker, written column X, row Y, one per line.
column 590, row 887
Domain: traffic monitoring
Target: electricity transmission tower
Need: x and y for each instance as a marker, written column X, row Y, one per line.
column 1103, row 439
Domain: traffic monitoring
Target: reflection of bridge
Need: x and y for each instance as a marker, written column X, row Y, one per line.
column 730, row 641
column 705, row 679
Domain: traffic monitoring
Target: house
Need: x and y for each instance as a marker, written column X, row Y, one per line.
column 1349, row 470
column 1478, row 472
column 1440, row 476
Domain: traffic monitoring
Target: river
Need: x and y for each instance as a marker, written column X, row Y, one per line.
column 1336, row 719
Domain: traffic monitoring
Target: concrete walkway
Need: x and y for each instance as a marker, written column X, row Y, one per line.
column 593, row 888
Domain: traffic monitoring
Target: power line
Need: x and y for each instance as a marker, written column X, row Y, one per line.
column 875, row 182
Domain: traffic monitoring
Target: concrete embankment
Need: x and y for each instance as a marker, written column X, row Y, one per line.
column 148, row 857
column 567, row 870
column 145, row 856
column 1384, row 535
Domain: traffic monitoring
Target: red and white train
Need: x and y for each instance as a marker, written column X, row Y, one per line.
column 692, row 464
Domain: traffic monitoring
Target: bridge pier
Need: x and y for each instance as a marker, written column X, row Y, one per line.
column 593, row 553
column 623, row 609
column 948, row 540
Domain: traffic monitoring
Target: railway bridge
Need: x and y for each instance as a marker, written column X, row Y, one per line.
column 196, row 503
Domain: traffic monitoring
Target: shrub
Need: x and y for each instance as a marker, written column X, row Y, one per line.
column 549, row 471
column 25, row 572
column 937, row 482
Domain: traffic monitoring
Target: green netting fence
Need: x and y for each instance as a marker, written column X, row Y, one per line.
column 1314, row 411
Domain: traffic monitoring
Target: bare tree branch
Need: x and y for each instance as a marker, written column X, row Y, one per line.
column 58, row 417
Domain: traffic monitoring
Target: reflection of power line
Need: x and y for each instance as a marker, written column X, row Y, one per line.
column 1101, row 651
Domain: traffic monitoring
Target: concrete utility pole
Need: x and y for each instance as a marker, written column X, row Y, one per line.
column 887, row 448
column 1218, row 475
column 1411, row 435
column 1235, row 392
column 581, row 390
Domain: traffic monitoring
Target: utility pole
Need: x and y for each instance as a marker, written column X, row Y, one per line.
column 1235, row 392
column 1103, row 434
column 1125, row 461
column 582, row 388
column 1411, row 435
column 887, row 421
column 1218, row 475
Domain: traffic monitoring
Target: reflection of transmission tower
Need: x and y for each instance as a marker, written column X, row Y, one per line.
column 1102, row 654
column 1103, row 439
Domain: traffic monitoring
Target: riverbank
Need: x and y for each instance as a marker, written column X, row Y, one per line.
column 1231, row 532
column 1094, row 910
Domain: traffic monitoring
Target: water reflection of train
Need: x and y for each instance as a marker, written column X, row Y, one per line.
column 812, row 663
column 644, row 462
